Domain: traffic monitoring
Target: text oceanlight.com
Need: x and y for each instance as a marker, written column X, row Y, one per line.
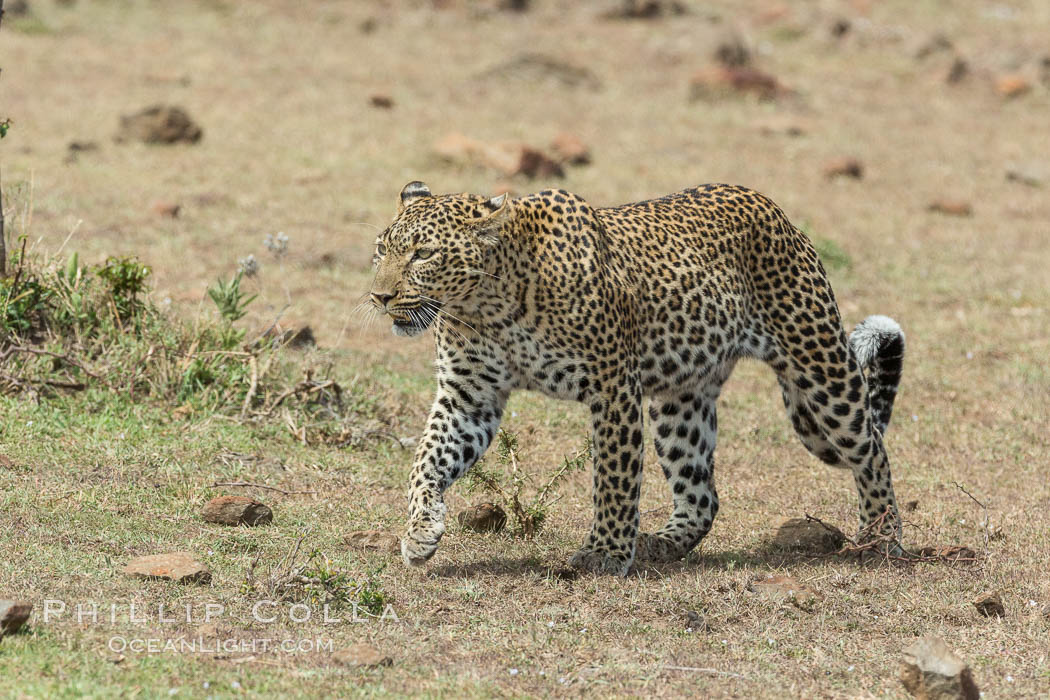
column 199, row 645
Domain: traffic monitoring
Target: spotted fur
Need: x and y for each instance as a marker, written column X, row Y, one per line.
column 655, row 299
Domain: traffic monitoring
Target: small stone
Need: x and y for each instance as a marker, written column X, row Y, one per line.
column 931, row 671
column 236, row 510
column 484, row 517
column 841, row 27
column 844, row 167
column 733, row 53
column 381, row 101
column 951, row 207
column 809, row 535
column 6, row 462
column 169, row 210
column 1046, row 612
column 82, row 146
column 1025, row 176
column 911, row 506
column 515, row 5
column 535, row 163
column 646, row 9
column 180, row 567
column 990, row 604
column 569, row 148
column 373, row 541
column 13, row 614
column 1010, row 86
column 507, row 157
column 695, row 622
column 362, row 656
column 787, row 588
column 720, row 80
column 958, row 71
column 159, row 124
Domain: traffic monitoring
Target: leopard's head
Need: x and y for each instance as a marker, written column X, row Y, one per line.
column 433, row 255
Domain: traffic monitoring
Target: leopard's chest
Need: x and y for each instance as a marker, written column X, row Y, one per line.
column 543, row 366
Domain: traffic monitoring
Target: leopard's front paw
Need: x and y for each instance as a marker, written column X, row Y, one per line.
column 601, row 562
column 658, row 549
column 422, row 536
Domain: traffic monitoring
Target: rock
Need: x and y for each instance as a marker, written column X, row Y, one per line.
column 82, row 146
column 168, row 210
column 534, row 163
column 180, row 567
column 951, row 207
column 484, row 517
column 1026, row 176
column 1010, row 86
column 6, row 462
column 1046, row 612
column 507, row 157
column 159, row 124
column 569, row 148
column 646, row 9
column 381, row 101
column 810, row 536
column 13, row 614
column 362, row 656
column 958, row 72
column 911, row 506
column 786, row 588
column 990, row 604
column 295, row 337
column 931, row 671
column 719, row 81
column 236, row 510
column 695, row 622
column 844, row 167
column 949, row 553
column 373, row 541
column 733, row 53
column 515, row 5
column 840, row 28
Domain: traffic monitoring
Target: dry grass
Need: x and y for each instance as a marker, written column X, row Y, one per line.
column 292, row 144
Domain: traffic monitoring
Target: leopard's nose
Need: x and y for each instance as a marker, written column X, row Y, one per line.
column 381, row 300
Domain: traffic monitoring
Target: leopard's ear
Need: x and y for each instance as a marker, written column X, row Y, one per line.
column 499, row 212
column 410, row 193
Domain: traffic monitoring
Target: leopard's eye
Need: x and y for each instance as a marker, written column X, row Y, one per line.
column 381, row 248
column 424, row 254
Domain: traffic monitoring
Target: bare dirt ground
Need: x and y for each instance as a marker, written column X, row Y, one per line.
column 292, row 143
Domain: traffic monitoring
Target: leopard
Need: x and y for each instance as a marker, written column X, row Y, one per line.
column 632, row 310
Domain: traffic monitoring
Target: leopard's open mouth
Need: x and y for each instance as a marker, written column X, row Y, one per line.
column 415, row 320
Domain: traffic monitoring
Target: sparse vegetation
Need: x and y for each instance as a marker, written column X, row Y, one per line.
column 510, row 482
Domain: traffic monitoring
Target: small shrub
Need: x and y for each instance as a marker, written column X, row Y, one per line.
column 510, row 482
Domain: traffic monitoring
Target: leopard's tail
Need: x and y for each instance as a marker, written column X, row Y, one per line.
column 878, row 343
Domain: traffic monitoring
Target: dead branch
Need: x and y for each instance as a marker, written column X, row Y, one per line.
column 972, row 498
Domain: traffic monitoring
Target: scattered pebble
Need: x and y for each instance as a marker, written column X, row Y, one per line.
column 932, row 671
column 180, row 567
column 236, row 510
